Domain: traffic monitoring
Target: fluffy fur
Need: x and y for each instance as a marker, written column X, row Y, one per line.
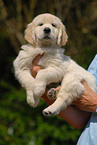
column 46, row 34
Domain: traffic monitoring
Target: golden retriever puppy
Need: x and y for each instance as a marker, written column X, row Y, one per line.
column 45, row 34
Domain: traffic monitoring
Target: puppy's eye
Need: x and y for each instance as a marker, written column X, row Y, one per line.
column 40, row 24
column 53, row 25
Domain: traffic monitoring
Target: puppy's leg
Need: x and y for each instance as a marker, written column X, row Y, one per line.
column 22, row 73
column 26, row 80
column 45, row 77
column 55, row 108
column 70, row 90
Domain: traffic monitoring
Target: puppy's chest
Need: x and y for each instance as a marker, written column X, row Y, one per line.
column 50, row 60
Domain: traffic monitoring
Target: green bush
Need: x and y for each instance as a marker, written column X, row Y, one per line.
column 20, row 124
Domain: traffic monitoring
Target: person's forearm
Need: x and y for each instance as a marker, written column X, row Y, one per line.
column 71, row 114
column 77, row 118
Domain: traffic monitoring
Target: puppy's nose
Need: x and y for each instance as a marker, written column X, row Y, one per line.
column 47, row 30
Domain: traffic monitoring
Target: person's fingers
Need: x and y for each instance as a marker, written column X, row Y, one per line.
column 84, row 83
column 88, row 100
column 37, row 58
column 35, row 69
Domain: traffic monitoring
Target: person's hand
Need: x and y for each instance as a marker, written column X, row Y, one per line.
column 35, row 68
column 88, row 100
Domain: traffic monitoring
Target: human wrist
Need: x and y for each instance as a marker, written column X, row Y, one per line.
column 96, row 109
column 94, row 106
column 95, row 103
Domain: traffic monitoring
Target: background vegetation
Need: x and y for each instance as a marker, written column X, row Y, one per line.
column 19, row 123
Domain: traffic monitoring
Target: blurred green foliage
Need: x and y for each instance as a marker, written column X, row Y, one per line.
column 19, row 123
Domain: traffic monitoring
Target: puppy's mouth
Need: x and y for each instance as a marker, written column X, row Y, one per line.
column 47, row 37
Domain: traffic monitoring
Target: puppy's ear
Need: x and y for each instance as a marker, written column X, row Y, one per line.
column 62, row 36
column 30, row 34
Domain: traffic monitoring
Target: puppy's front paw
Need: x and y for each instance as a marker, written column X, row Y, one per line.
column 50, row 111
column 30, row 99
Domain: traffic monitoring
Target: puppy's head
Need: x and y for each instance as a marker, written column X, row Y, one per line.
column 46, row 29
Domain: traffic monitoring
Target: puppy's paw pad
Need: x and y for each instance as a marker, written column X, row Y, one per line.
column 51, row 93
column 47, row 113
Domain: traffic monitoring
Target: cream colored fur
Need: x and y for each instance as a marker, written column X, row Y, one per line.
column 57, row 66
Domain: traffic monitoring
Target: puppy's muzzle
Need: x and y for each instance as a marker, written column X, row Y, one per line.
column 47, row 30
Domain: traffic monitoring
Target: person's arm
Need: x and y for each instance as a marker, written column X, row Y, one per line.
column 75, row 117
